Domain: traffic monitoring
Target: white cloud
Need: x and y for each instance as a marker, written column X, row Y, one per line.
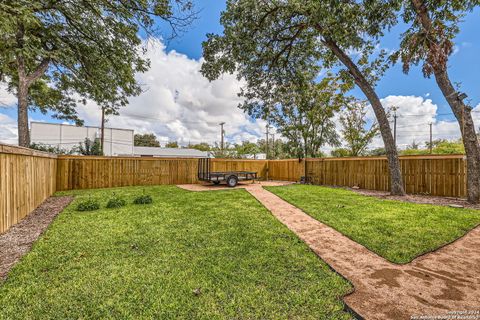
column 414, row 116
column 178, row 103
column 6, row 98
column 8, row 130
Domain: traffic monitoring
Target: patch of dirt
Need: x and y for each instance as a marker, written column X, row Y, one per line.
column 18, row 240
column 431, row 285
column 416, row 198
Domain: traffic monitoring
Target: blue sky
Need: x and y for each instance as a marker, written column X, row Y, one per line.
column 464, row 64
column 464, row 68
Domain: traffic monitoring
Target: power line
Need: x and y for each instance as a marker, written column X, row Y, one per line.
column 164, row 120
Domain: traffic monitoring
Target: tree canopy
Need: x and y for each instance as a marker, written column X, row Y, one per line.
column 55, row 54
column 305, row 116
column 146, row 140
column 172, row 144
column 355, row 131
column 270, row 44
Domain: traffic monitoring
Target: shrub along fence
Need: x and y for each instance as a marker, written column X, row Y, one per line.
column 28, row 177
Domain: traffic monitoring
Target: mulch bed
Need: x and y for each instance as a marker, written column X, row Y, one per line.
column 18, row 240
column 423, row 199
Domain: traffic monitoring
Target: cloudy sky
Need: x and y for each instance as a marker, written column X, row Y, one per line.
column 178, row 104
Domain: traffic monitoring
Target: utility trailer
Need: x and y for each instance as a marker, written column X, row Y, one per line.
column 216, row 177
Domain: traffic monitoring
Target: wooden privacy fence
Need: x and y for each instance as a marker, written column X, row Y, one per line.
column 27, row 178
column 80, row 172
column 286, row 170
column 434, row 175
column 438, row 175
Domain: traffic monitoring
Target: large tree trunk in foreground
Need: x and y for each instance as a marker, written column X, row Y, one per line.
column 469, row 136
column 390, row 147
column 460, row 110
column 23, row 134
column 25, row 80
column 24, row 83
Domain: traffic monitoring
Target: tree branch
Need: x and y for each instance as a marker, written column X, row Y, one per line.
column 38, row 72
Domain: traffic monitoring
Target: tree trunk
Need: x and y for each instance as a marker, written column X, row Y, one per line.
column 22, row 96
column 24, row 82
column 396, row 187
column 23, row 134
column 469, row 136
column 460, row 110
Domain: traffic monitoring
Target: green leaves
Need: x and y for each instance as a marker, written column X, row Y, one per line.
column 305, row 115
column 272, row 44
column 146, row 140
column 93, row 48
column 432, row 27
column 89, row 148
column 354, row 130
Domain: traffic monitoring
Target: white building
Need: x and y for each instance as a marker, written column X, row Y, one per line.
column 258, row 156
column 168, row 152
column 64, row 136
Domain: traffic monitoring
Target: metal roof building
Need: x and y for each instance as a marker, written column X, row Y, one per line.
column 168, row 152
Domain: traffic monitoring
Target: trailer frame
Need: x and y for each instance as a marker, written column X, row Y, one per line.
column 216, row 177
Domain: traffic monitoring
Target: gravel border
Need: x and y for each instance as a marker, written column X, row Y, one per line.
column 417, row 198
column 18, row 240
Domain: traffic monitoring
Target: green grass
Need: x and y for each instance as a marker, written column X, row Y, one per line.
column 398, row 231
column 213, row 255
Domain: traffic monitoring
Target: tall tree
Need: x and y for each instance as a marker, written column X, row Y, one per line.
column 304, row 116
column 269, row 43
column 54, row 54
column 429, row 41
column 228, row 151
column 247, row 148
column 89, row 148
column 146, row 140
column 172, row 144
column 355, row 131
column 203, row 146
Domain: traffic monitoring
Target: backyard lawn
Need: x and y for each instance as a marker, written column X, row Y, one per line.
column 188, row 255
column 397, row 231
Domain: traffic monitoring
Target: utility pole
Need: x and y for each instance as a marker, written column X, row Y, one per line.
column 102, row 141
column 266, row 141
column 222, row 133
column 431, row 138
column 273, row 144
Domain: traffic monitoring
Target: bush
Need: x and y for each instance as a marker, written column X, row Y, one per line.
column 88, row 205
column 116, row 202
column 143, row 199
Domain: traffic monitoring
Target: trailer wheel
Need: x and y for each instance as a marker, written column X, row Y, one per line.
column 232, row 181
column 216, row 182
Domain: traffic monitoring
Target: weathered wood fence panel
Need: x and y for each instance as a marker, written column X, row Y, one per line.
column 27, row 178
column 432, row 175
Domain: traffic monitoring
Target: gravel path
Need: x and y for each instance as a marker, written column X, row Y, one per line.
column 435, row 284
column 18, row 240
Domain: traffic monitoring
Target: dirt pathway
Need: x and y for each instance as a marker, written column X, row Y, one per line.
column 18, row 240
column 436, row 284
